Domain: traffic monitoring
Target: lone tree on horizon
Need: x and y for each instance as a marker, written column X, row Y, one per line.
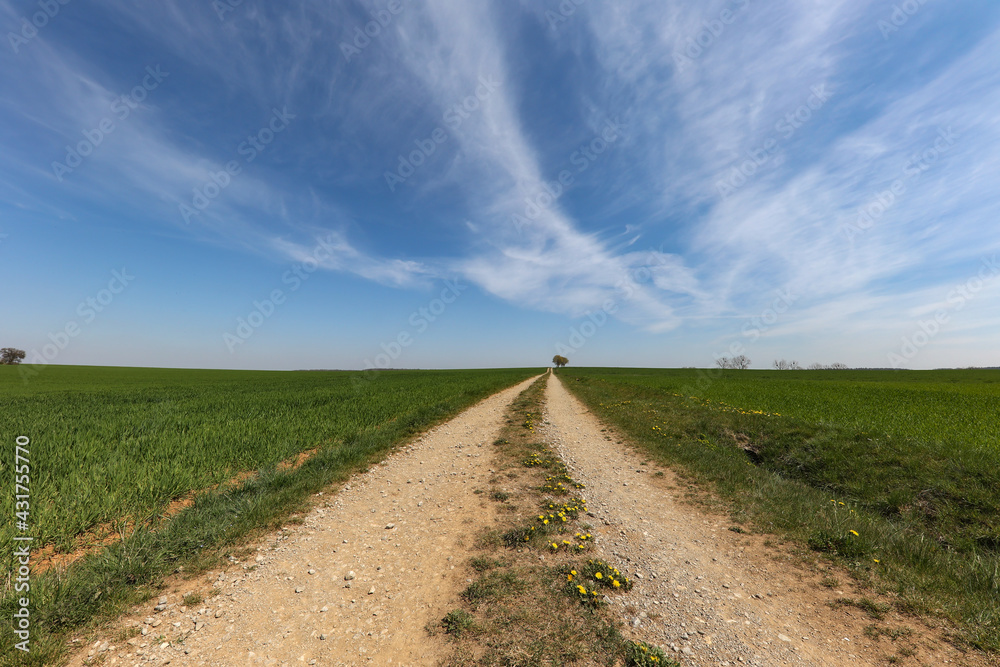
column 12, row 356
column 559, row 361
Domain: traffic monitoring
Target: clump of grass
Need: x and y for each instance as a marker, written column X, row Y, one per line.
column 847, row 544
column 457, row 622
column 898, row 633
column 516, row 537
column 875, row 610
column 484, row 563
column 500, row 496
column 192, row 599
column 493, row 586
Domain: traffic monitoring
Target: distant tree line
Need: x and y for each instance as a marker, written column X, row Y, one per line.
column 782, row 365
column 741, row 362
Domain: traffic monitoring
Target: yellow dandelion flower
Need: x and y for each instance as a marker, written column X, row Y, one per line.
column 598, row 575
column 617, row 584
column 854, row 532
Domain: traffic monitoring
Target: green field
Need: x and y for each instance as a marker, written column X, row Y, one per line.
column 907, row 460
column 115, row 443
column 112, row 447
column 957, row 408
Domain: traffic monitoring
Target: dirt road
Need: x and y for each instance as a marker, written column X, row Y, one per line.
column 360, row 579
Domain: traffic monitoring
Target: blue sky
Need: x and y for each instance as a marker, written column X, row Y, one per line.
column 450, row 184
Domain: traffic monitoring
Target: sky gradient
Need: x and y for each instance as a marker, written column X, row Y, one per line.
column 480, row 184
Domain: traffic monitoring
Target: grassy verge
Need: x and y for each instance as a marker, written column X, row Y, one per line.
column 911, row 519
column 538, row 592
column 106, row 583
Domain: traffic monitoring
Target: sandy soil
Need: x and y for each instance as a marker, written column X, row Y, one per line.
column 378, row 560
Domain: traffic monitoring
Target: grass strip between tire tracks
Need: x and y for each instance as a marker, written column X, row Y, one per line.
column 537, row 595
